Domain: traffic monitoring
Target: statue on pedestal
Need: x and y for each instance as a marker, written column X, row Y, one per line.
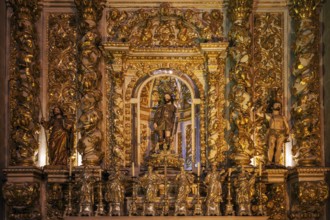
column 165, row 122
column 115, row 194
column 278, row 134
column 214, row 191
column 184, row 180
column 150, row 182
column 244, row 187
column 86, row 203
column 60, row 142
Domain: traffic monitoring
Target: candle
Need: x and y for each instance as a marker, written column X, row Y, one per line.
column 198, row 169
column 133, row 169
column 260, row 167
column 229, row 172
column 70, row 167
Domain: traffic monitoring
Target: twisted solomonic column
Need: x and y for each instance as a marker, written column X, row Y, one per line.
column 24, row 82
column 240, row 95
column 306, row 82
column 89, row 78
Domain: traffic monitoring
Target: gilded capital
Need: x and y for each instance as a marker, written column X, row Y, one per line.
column 239, row 10
column 304, row 9
column 90, row 10
column 25, row 9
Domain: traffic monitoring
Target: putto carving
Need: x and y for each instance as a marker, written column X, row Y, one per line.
column 165, row 27
column 24, row 82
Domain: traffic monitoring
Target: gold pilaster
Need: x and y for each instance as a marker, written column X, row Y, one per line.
column 89, row 78
column 215, row 100
column 305, row 88
column 240, row 95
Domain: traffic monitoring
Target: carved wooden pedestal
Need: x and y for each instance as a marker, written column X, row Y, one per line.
column 308, row 192
column 56, row 188
column 275, row 180
column 22, row 192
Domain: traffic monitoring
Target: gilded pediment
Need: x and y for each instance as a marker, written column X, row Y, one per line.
column 165, row 26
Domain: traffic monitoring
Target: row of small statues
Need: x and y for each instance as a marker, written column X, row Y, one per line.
column 60, row 140
column 151, row 182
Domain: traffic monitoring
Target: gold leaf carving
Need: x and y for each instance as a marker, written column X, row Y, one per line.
column 306, row 83
column 89, row 78
column 62, row 80
column 268, row 71
column 240, row 100
column 24, row 82
column 164, row 27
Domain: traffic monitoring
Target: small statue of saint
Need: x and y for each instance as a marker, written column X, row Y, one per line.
column 60, row 142
column 244, row 188
column 185, row 181
column 214, row 191
column 115, row 194
column 150, row 182
column 278, row 134
column 165, row 122
column 86, row 195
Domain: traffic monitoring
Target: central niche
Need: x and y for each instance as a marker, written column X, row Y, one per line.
column 184, row 143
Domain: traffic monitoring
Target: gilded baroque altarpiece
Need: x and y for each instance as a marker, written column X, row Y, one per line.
column 107, row 66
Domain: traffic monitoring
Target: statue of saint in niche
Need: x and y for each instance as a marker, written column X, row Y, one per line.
column 165, row 122
column 278, row 134
column 60, row 142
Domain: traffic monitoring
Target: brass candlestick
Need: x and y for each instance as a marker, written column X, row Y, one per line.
column 198, row 206
column 166, row 207
column 261, row 209
column 68, row 210
column 100, row 207
column 229, row 206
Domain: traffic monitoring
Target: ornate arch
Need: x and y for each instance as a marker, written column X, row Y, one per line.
column 197, row 100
